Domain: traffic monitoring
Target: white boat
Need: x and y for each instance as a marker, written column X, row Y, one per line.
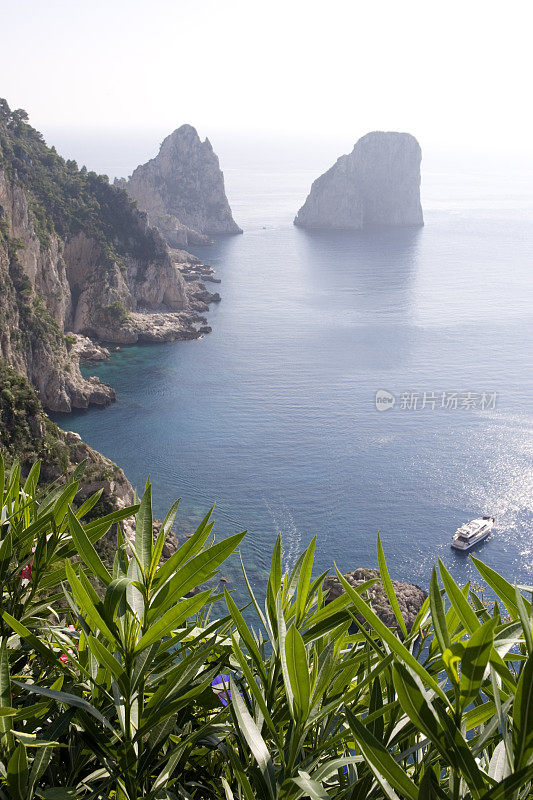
column 472, row 532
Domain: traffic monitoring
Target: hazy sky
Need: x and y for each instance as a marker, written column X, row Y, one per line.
column 449, row 72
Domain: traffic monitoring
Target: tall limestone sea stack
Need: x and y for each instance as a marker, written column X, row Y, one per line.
column 377, row 184
column 182, row 190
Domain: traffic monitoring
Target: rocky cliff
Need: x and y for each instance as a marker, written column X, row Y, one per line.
column 410, row 597
column 77, row 256
column 182, row 190
column 377, row 184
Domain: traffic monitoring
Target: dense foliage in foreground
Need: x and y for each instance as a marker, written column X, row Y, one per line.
column 120, row 684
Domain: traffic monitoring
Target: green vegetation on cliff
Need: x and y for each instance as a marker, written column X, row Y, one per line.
column 67, row 200
column 26, row 433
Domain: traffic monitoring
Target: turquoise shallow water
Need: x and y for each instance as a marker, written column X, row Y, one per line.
column 273, row 414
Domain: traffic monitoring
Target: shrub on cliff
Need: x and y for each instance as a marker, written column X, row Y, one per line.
column 115, row 683
column 65, row 199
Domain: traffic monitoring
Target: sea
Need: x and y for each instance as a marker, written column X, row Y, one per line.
column 353, row 382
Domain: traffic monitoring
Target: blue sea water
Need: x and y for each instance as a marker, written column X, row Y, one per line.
column 273, row 414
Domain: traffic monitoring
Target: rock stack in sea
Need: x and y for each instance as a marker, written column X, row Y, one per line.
column 182, row 190
column 410, row 597
column 377, row 184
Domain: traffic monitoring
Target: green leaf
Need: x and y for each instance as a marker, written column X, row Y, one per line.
column 188, row 550
column 17, row 773
column 40, row 763
column 193, row 573
column 462, row 607
column 282, row 632
column 69, row 700
column 254, row 740
column 523, row 715
column 5, row 692
column 474, row 662
column 227, row 789
column 438, row 616
column 161, row 538
column 400, row 651
column 89, row 504
column 31, row 740
column 386, row 770
column 525, row 620
column 2, row 479
column 499, row 765
column 85, row 602
column 245, row 634
column 438, row 727
column 114, row 593
column 274, row 583
column 389, row 588
column 144, row 530
column 34, row 642
column 105, row 658
column 503, row 588
column 253, row 688
column 310, row 787
column 86, row 550
column 304, row 579
column 451, row 658
column 298, row 670
column 510, row 785
column 172, row 619
column 32, row 479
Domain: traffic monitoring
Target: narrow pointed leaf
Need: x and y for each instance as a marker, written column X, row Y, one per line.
column 474, row 662
column 503, row 588
column 254, row 740
column 389, row 588
column 399, row 649
column 144, row 531
column 523, row 715
column 384, row 767
column 86, row 549
column 298, row 670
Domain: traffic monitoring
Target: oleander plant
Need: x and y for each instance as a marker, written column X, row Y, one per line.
column 140, row 679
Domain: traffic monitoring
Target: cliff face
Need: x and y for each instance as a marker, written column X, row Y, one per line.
column 182, row 190
column 377, row 184
column 76, row 255
column 35, row 304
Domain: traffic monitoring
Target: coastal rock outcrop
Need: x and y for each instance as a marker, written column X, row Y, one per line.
column 377, row 184
column 182, row 190
column 410, row 597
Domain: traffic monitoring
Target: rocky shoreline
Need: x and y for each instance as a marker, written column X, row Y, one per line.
column 410, row 596
column 146, row 325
